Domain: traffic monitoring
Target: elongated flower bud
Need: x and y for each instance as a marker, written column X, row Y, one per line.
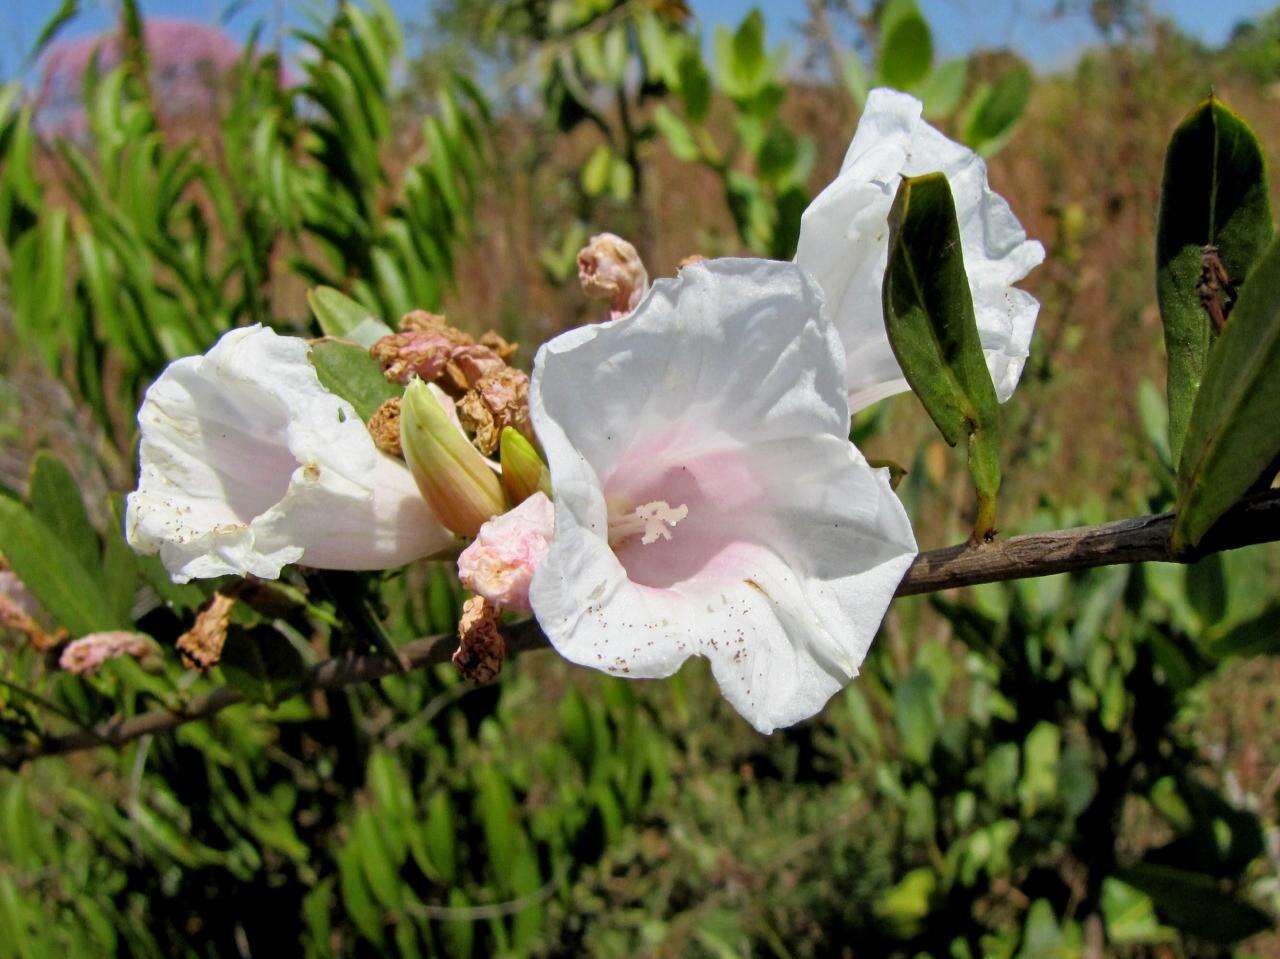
column 523, row 472
column 455, row 480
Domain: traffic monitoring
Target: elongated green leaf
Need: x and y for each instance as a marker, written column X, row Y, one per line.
column 350, row 372
column 69, row 10
column 906, row 45
column 1195, row 903
column 341, row 317
column 55, row 500
column 995, row 110
column 119, row 565
column 741, row 61
column 50, row 570
column 1232, row 437
column 1214, row 196
column 929, row 317
column 942, row 90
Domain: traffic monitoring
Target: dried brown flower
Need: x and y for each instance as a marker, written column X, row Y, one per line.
column 384, row 427
column 481, row 648
column 498, row 400
column 201, row 645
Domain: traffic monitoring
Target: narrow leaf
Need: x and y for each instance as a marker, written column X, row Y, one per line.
column 1196, row 904
column 341, row 317
column 39, row 557
column 1213, row 210
column 55, row 500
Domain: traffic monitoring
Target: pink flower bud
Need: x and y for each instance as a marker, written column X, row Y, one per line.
column 609, row 268
column 500, row 564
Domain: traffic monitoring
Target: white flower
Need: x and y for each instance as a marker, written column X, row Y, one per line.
column 708, row 501
column 249, row 463
column 844, row 246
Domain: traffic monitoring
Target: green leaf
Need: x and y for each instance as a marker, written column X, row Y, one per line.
column 677, row 134
column 341, row 317
column 596, row 172
column 916, row 713
column 906, row 45
column 942, row 90
column 51, row 571
column 355, row 895
column 995, row 109
column 929, row 317
column 1259, row 636
column 778, row 154
column 440, row 838
column 742, row 64
column 119, row 565
column 1196, row 903
column 1040, row 757
column 69, row 10
column 855, row 77
column 1232, row 441
column 1214, row 194
column 351, row 373
column 907, row 903
column 695, row 86
column 1130, row 916
column 55, row 500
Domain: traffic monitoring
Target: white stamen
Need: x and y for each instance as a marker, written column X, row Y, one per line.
column 655, row 520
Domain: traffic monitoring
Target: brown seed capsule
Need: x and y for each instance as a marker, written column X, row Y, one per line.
column 481, row 648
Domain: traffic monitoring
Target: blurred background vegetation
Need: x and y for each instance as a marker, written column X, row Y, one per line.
column 1077, row 766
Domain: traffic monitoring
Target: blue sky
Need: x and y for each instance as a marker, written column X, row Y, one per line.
column 1027, row 26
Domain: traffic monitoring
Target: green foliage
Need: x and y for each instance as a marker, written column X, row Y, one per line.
column 904, row 60
column 1215, row 219
column 765, row 165
column 297, row 183
column 929, row 317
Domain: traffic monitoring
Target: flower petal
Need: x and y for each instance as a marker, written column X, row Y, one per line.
column 731, row 350
column 844, row 246
column 249, row 463
column 722, row 392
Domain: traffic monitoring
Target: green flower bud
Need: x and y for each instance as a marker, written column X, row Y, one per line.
column 523, row 472
column 454, row 478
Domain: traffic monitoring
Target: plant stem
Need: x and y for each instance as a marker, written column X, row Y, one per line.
column 1145, row 539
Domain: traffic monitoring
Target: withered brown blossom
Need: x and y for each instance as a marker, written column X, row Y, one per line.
column 498, row 400
column 481, row 648
column 610, row 269
column 384, row 427
column 201, row 645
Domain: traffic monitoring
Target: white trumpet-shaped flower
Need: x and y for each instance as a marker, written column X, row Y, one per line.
column 249, row 463
column 707, row 499
column 844, row 246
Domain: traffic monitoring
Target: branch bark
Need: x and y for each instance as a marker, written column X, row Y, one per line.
column 1146, row 539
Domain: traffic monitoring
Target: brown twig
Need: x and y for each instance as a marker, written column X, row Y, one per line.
column 1255, row 520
